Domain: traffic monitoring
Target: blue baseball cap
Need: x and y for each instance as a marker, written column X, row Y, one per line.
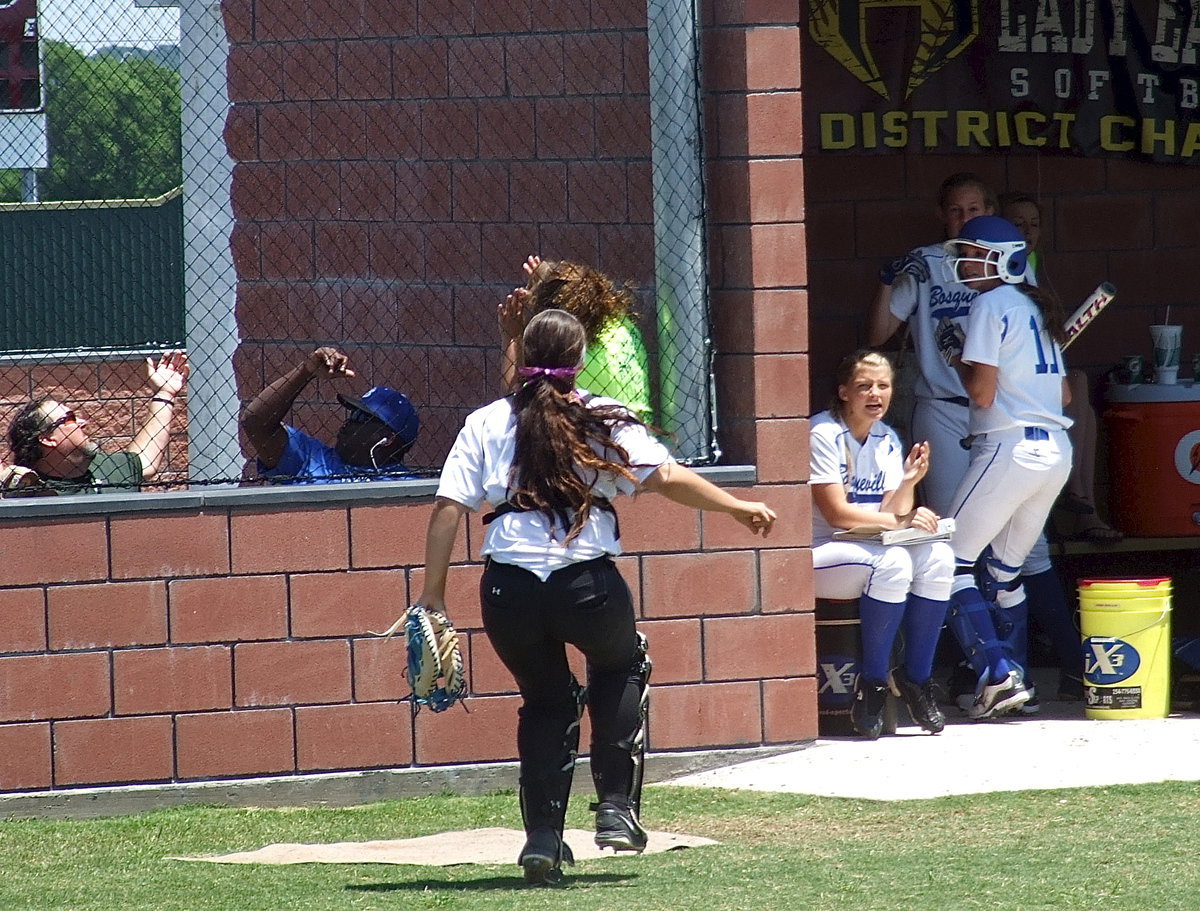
column 391, row 407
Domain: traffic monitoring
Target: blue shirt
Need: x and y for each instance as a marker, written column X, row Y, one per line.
column 307, row 460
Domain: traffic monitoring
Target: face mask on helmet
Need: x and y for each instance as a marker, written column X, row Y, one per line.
column 994, row 243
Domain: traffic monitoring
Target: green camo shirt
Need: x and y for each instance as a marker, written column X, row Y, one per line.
column 109, row 472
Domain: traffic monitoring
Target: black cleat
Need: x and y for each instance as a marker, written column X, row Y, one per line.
column 866, row 713
column 919, row 698
column 543, row 856
column 1000, row 698
column 618, row 828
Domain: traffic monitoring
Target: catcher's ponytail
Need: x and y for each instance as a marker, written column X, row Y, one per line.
column 558, row 435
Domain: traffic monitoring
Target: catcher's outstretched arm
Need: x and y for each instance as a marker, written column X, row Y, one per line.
column 679, row 483
column 439, row 542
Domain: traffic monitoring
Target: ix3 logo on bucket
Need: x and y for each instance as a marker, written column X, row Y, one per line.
column 1108, row 660
column 840, row 26
column 837, row 676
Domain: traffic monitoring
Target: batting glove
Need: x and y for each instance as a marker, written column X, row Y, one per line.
column 949, row 338
column 911, row 264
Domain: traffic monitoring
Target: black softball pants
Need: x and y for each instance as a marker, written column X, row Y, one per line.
column 530, row 623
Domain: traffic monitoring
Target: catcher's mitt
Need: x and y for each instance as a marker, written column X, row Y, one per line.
column 435, row 664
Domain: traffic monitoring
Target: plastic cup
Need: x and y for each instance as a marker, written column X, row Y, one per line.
column 1135, row 367
column 1167, row 342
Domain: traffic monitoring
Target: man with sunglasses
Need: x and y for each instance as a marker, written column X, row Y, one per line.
column 51, row 438
column 371, row 444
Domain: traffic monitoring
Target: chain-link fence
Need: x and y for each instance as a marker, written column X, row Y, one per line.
column 254, row 181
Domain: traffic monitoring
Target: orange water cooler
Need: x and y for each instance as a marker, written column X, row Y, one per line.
column 1154, row 458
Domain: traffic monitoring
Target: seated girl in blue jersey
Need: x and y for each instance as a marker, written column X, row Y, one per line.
column 861, row 476
column 550, row 462
column 1011, row 365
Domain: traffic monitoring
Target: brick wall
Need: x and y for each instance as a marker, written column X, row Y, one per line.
column 225, row 642
column 217, row 643
column 395, row 168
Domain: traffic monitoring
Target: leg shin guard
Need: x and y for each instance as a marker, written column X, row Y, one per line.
column 620, row 707
column 970, row 620
column 1012, row 625
column 548, row 739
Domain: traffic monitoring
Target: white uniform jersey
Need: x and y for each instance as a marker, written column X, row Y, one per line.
column 477, row 470
column 1005, row 330
column 924, row 305
column 867, row 471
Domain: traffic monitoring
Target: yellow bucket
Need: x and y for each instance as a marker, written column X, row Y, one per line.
column 1126, row 627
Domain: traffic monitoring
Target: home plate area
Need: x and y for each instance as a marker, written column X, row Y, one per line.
column 474, row 846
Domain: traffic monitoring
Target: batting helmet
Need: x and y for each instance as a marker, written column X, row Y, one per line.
column 1004, row 247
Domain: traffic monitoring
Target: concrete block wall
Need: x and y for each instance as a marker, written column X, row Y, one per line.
column 396, row 163
column 223, row 643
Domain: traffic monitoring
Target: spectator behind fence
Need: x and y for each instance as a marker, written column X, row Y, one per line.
column 617, row 364
column 371, row 444
column 50, row 438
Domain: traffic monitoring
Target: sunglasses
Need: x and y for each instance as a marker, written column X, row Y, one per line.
column 69, row 417
column 358, row 416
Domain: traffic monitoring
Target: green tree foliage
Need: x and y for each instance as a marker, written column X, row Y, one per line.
column 114, row 125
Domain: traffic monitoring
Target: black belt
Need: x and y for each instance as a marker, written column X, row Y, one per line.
column 600, row 503
column 956, row 400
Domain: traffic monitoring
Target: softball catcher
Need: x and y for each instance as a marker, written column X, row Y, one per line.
column 550, row 460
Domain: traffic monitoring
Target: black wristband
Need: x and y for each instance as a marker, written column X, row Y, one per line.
column 159, row 398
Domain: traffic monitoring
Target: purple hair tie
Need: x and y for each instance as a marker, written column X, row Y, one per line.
column 558, row 373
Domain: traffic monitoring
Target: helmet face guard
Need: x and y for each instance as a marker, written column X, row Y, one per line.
column 1003, row 246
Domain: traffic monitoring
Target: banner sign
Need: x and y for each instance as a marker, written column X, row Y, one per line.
column 20, row 68
column 1080, row 77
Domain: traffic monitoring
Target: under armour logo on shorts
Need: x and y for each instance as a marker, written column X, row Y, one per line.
column 495, row 591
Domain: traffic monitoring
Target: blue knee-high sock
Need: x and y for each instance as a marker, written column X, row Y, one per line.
column 1048, row 605
column 880, row 623
column 923, row 621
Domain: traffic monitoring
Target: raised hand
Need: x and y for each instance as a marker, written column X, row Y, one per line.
column 916, row 463
column 327, row 362
column 169, row 375
column 909, row 264
column 531, row 264
column 511, row 314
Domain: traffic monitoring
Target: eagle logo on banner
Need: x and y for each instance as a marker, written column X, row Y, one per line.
column 840, row 27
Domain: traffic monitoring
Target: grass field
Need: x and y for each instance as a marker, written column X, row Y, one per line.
column 1126, row 847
